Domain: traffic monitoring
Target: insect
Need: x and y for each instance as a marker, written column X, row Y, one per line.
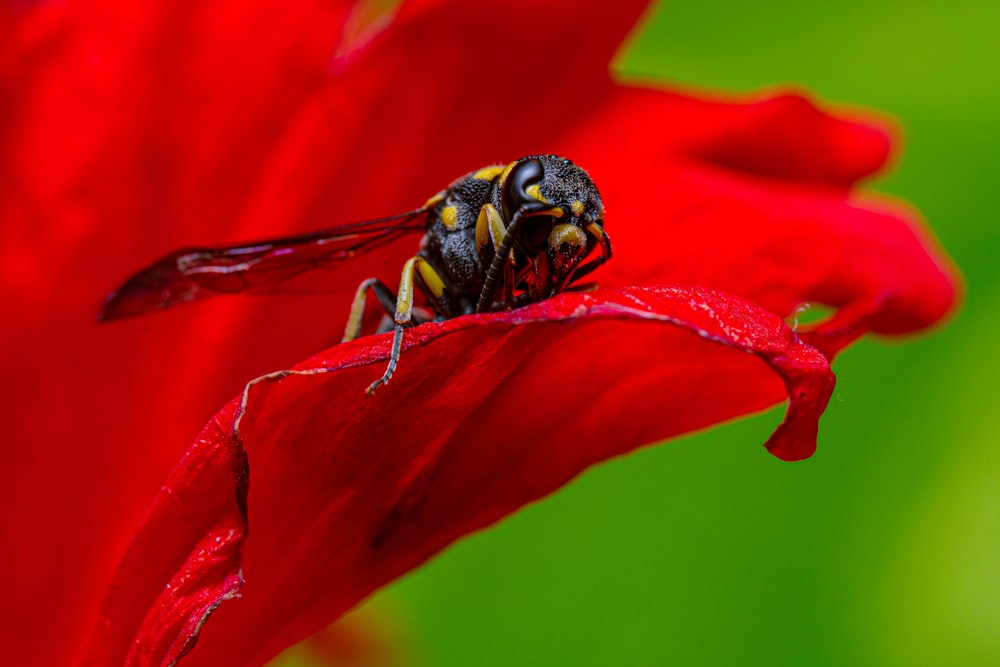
column 497, row 238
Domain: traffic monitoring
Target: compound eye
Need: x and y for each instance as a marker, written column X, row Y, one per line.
column 515, row 196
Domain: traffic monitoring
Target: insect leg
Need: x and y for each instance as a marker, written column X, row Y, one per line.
column 435, row 286
column 490, row 229
column 605, row 242
column 508, row 281
column 485, row 303
column 385, row 298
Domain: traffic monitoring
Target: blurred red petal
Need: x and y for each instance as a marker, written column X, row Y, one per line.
column 485, row 414
column 126, row 127
column 413, row 77
column 772, row 134
column 785, row 136
column 774, row 221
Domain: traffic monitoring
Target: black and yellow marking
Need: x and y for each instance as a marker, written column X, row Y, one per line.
column 489, row 228
column 505, row 174
column 435, row 200
column 597, row 231
column 480, row 254
column 602, row 238
column 353, row 328
column 435, row 286
column 354, row 321
column 449, row 216
column 535, row 192
column 567, row 234
column 413, row 267
column 489, row 173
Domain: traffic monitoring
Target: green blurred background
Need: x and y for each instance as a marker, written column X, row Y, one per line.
column 884, row 549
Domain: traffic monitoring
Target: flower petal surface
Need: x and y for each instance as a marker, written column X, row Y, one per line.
column 486, row 413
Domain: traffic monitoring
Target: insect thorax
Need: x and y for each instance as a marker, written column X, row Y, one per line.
column 450, row 243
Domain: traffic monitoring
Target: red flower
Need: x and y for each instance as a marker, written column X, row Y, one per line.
column 131, row 130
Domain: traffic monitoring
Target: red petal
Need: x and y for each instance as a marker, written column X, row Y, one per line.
column 775, row 134
column 781, row 233
column 127, row 128
column 184, row 559
column 785, row 136
column 485, row 414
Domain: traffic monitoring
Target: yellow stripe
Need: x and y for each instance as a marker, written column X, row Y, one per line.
column 506, row 172
column 578, row 207
column 489, row 173
column 449, row 216
column 535, row 192
column 597, row 231
column 431, row 278
column 482, row 229
column 404, row 298
column 487, row 224
column 433, row 201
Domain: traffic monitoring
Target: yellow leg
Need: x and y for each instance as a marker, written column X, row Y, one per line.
column 508, row 281
column 503, row 255
column 489, row 228
column 354, row 320
column 605, row 244
column 435, row 286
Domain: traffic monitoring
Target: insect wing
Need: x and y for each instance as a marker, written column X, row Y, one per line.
column 191, row 274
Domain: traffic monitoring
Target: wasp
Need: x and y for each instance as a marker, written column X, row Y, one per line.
column 497, row 238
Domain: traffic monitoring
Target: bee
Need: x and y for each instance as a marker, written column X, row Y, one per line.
column 495, row 239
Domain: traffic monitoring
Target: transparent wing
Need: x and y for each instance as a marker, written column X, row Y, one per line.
column 191, row 274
